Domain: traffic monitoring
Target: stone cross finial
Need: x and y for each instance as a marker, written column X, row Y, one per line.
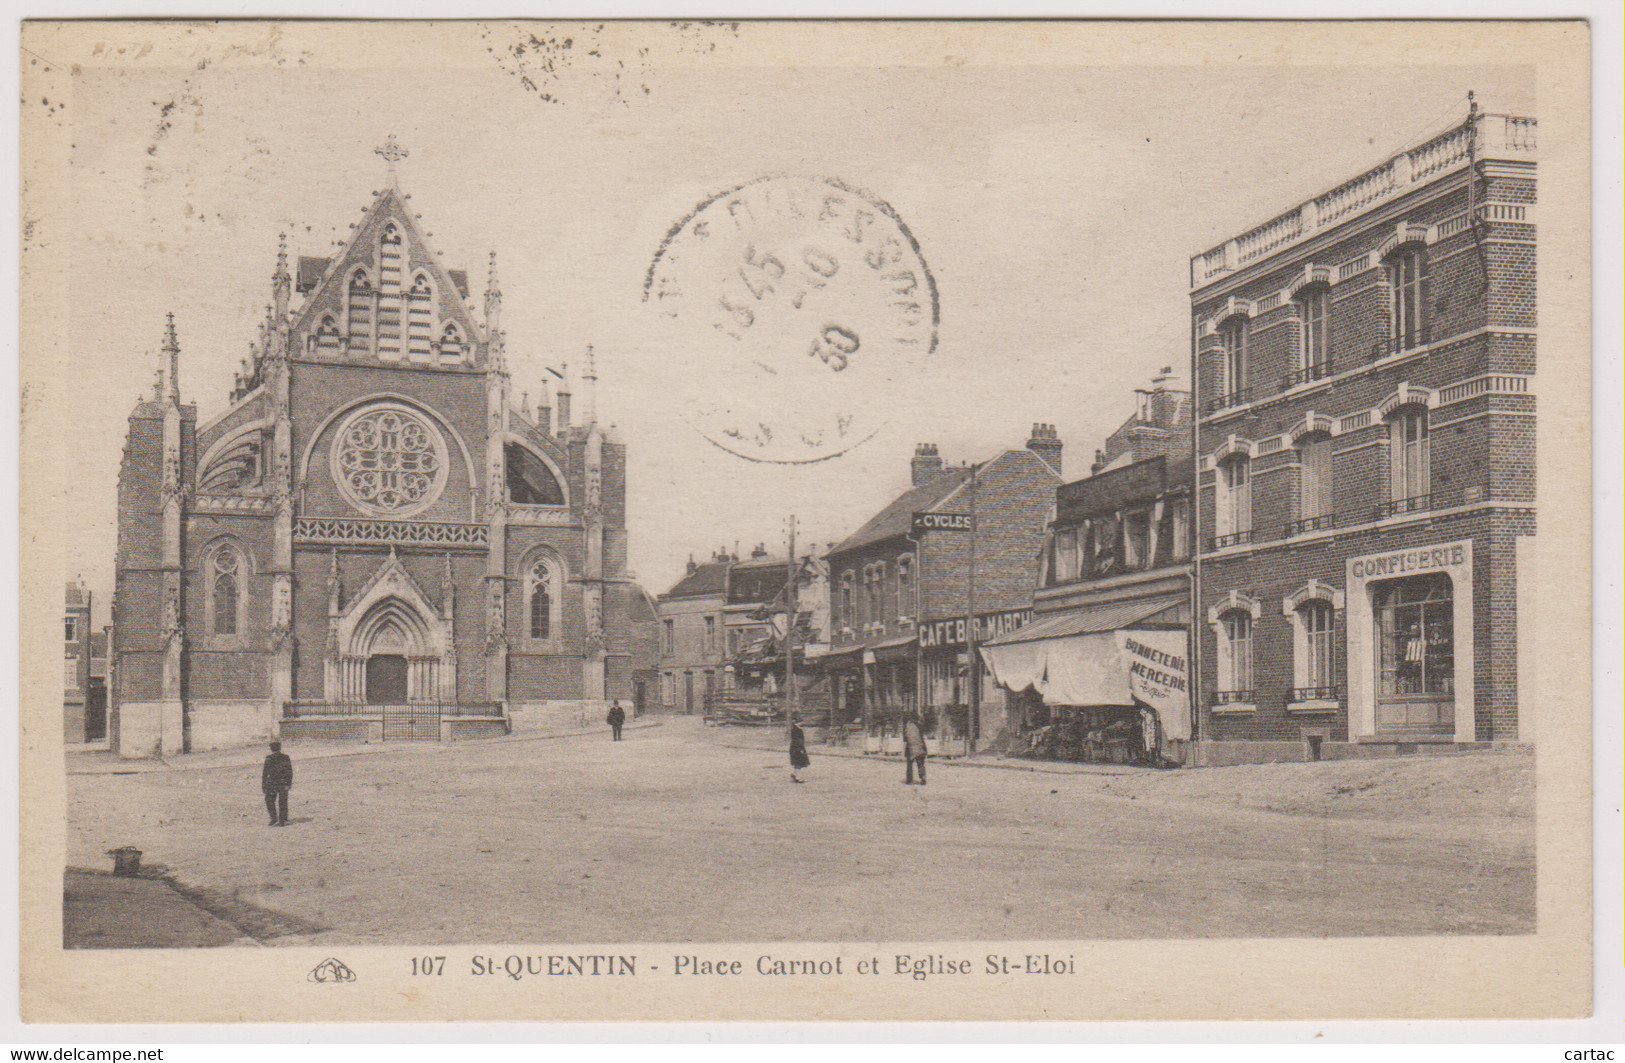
column 392, row 152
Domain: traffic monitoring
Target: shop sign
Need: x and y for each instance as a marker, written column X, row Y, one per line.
column 988, row 626
column 1157, row 676
column 1405, row 562
column 924, row 522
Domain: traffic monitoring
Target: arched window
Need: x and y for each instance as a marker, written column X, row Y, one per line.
column 326, row 337
column 1408, row 454
column 419, row 318
column 359, row 312
column 1315, row 678
column 1314, row 308
column 849, row 616
column 1236, row 652
column 392, row 235
column 451, row 341
column 226, row 570
column 1408, row 287
column 1234, row 513
column 1315, row 476
column 1233, row 361
column 541, row 599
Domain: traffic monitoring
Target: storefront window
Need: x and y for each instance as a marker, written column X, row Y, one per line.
column 1416, row 632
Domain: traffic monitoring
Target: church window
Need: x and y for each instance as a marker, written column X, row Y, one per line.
column 420, row 324
column 542, row 599
column 326, row 338
column 225, row 602
column 389, row 461
column 360, row 312
column 451, row 342
column 530, row 481
column 390, row 325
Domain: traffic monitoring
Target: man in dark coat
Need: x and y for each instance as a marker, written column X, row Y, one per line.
column 798, row 752
column 616, row 719
column 276, row 780
column 913, row 748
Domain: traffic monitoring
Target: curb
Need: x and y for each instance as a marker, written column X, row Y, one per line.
column 961, row 762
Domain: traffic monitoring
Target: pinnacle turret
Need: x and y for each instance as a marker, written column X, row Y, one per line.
column 172, row 352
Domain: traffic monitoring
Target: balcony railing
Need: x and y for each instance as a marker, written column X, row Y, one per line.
column 1498, row 136
column 1219, row 542
column 1233, row 697
column 1414, row 504
column 1309, row 524
column 1352, row 518
column 1318, row 371
column 1315, row 693
column 1239, row 397
column 1399, row 344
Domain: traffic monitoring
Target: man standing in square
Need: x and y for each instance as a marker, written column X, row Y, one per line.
column 276, row 780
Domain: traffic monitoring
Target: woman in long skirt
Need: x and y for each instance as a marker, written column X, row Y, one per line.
column 798, row 752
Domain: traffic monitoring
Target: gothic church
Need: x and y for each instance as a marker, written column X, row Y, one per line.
column 371, row 541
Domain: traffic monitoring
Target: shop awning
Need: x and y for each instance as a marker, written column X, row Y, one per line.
column 1092, row 657
column 893, row 649
column 1108, row 616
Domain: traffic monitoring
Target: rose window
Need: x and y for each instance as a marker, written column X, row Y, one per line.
column 389, row 461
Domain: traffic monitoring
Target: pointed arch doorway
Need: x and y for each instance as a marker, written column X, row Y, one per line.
column 393, row 646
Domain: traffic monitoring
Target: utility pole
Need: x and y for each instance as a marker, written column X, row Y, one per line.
column 973, row 719
column 791, row 612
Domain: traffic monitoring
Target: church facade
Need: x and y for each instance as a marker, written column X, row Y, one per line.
column 372, row 540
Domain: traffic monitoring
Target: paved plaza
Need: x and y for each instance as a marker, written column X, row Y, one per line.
column 687, row 833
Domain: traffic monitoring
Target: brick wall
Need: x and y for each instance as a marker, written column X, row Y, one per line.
column 1486, row 441
column 1015, row 497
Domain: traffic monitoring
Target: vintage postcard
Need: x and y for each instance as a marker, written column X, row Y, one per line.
column 820, row 520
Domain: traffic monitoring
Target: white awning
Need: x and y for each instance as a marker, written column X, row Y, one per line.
column 1102, row 668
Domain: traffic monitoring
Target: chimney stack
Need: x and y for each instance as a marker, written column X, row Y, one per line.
column 927, row 463
column 692, row 565
column 758, row 552
column 1047, row 445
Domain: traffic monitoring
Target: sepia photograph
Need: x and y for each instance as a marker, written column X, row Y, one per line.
column 920, row 514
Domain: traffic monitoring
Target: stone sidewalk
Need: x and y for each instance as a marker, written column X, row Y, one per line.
column 103, row 911
column 731, row 737
column 91, row 760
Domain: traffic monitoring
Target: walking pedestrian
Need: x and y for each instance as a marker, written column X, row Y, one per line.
column 798, row 752
column 276, row 780
column 616, row 719
column 913, row 748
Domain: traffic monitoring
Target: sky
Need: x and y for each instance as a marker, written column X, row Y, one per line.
column 1056, row 180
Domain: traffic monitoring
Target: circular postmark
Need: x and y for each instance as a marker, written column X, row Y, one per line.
column 798, row 307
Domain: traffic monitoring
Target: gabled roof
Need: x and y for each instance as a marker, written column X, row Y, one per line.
column 709, row 578
column 898, row 518
column 327, row 279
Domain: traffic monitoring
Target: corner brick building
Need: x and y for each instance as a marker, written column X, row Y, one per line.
column 371, row 540
column 1366, row 444
column 900, row 597
column 1101, row 673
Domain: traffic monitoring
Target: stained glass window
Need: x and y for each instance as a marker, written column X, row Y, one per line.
column 389, row 460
